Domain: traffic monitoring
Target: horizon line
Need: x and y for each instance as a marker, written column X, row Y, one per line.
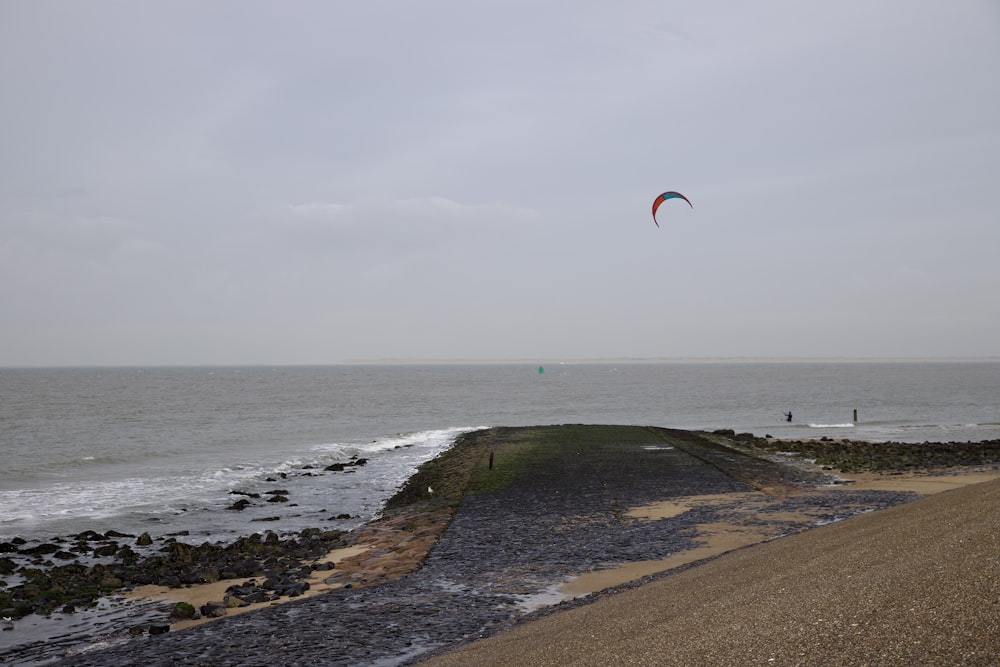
column 445, row 361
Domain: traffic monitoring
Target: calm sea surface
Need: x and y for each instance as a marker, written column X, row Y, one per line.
column 161, row 449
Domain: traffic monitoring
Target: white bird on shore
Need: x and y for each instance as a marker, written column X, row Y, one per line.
column 8, row 623
column 430, row 491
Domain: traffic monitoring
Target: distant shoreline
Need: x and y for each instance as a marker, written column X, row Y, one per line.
column 544, row 361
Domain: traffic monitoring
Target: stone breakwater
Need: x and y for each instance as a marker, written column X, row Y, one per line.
column 394, row 546
column 554, row 506
column 849, row 455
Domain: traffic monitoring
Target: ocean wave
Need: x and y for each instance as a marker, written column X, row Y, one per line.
column 435, row 439
column 99, row 499
column 944, row 427
column 247, row 475
column 844, row 425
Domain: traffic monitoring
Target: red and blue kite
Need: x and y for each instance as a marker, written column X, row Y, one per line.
column 664, row 197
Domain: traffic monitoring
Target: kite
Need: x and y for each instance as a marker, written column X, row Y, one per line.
column 664, row 197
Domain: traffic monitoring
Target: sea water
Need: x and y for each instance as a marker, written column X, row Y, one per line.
column 163, row 450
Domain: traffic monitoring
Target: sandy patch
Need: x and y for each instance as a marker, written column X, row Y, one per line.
column 923, row 483
column 667, row 509
column 202, row 594
column 718, row 539
column 338, row 555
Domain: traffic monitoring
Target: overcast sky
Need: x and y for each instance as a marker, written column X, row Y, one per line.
column 248, row 182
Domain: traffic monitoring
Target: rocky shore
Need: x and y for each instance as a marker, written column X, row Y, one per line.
column 480, row 538
column 848, row 455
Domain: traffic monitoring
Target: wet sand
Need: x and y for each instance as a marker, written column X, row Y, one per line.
column 721, row 537
column 909, row 585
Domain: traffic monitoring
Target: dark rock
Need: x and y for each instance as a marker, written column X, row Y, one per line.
column 182, row 611
column 295, row 590
column 277, row 492
column 41, row 550
column 206, row 575
column 158, row 629
column 89, row 536
column 127, row 556
column 250, row 568
column 144, row 540
column 213, row 609
column 277, row 499
column 115, row 535
column 240, row 504
column 106, row 550
column 180, row 552
column 335, row 467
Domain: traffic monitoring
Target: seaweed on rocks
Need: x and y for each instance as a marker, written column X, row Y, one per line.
column 848, row 455
column 44, row 589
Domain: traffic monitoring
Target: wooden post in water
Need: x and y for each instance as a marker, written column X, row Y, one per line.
column 855, row 415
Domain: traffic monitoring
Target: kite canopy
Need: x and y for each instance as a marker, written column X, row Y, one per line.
column 664, row 197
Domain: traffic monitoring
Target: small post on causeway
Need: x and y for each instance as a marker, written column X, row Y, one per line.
column 491, row 460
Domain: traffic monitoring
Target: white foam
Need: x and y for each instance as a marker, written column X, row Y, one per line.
column 434, row 439
column 99, row 499
column 846, row 425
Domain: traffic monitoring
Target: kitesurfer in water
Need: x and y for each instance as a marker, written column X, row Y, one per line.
column 788, row 416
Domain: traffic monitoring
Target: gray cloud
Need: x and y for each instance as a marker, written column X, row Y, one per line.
column 313, row 182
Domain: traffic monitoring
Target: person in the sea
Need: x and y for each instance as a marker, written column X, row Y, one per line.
column 788, row 416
